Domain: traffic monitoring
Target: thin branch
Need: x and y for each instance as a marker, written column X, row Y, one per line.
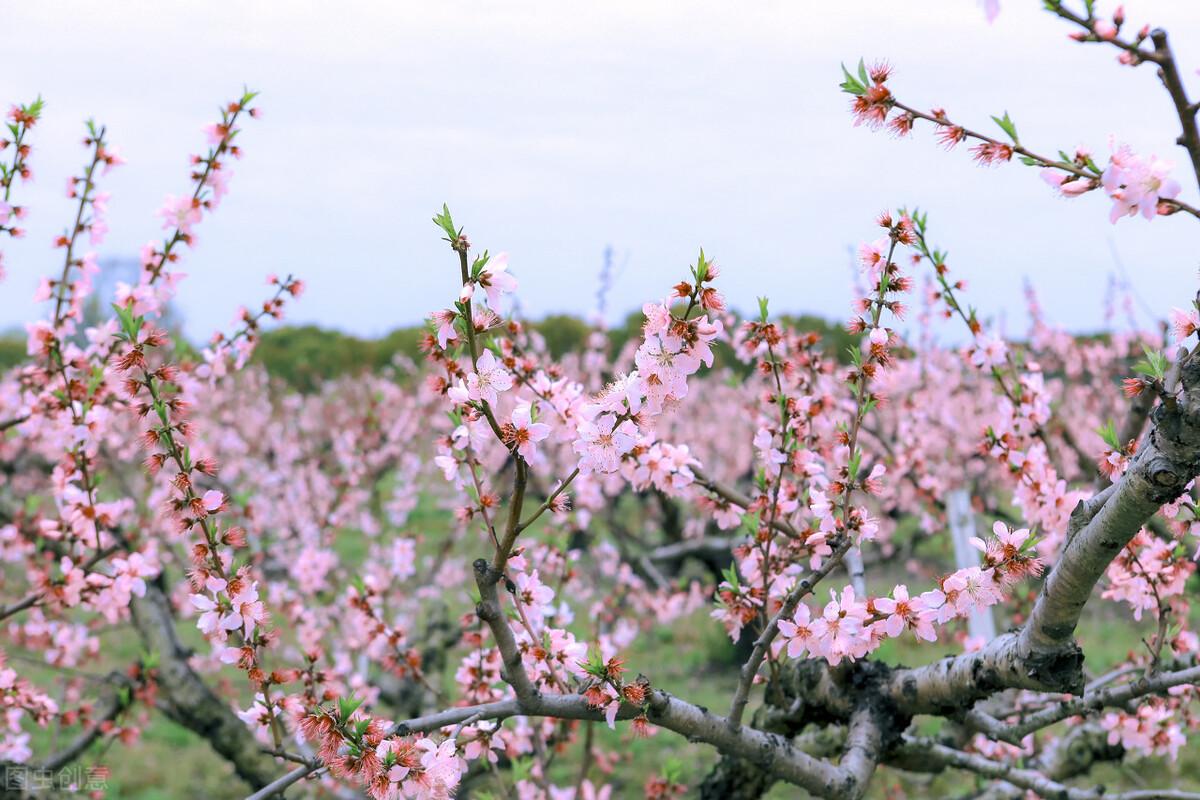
column 1094, row 701
column 930, row 755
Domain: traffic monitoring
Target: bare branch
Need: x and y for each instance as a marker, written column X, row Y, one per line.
column 931, row 755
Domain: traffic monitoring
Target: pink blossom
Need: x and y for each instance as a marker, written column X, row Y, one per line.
column 496, row 281
column 602, row 443
column 180, row 213
column 1136, row 184
column 798, row 631
column 446, row 332
column 488, row 378
column 1184, row 323
column 896, row 610
column 989, row 352
column 210, row 616
column 212, row 500
column 840, row 628
column 525, row 432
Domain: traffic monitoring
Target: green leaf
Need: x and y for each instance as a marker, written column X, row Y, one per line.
column 478, row 265
column 1155, row 364
column 701, row 271
column 34, row 109
column 851, row 85
column 346, row 707
column 762, row 309
column 521, row 768
column 1006, row 124
column 446, row 223
column 1108, row 432
column 855, row 462
column 731, row 576
column 125, row 315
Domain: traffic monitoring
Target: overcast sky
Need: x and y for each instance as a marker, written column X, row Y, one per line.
column 553, row 129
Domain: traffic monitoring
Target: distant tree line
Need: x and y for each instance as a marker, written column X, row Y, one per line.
column 306, row 355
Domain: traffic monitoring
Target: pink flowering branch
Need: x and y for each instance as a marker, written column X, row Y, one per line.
column 1135, row 186
column 21, row 119
column 35, row 598
column 186, row 697
column 1134, row 53
column 245, row 337
column 733, row 495
column 985, row 348
column 550, row 502
column 78, row 393
column 181, row 214
column 88, row 217
column 1092, row 701
column 887, row 280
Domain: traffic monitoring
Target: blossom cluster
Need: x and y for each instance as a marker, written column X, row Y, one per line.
column 358, row 747
column 851, row 628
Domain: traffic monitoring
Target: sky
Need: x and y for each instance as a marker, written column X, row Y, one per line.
column 553, row 130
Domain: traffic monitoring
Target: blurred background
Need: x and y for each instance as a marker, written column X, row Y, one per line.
column 555, row 131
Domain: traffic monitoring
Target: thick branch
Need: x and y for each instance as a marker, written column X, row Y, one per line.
column 187, row 698
column 1043, row 654
column 1168, row 71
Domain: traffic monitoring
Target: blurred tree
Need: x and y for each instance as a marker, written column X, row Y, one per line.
column 563, row 333
column 12, row 349
column 305, row 355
